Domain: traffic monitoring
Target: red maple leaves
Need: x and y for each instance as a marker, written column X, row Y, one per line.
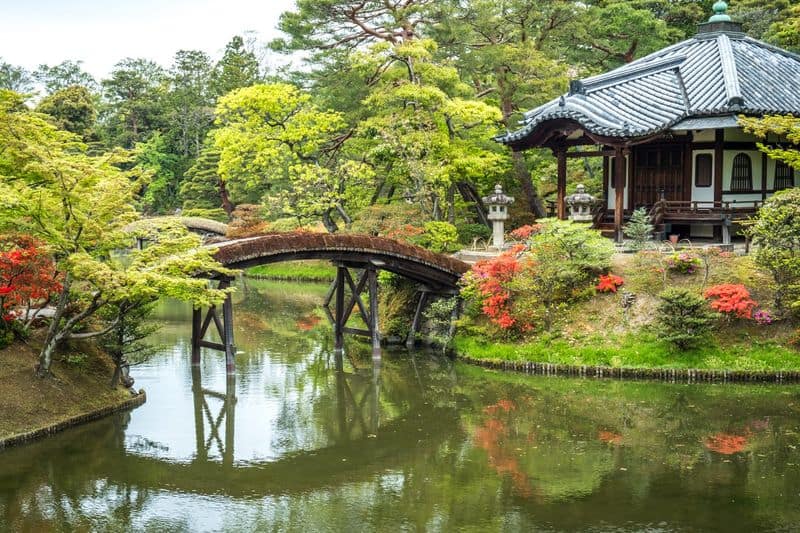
column 27, row 274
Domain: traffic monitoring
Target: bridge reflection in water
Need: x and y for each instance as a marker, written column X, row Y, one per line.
column 357, row 393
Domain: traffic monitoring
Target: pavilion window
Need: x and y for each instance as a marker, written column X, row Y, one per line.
column 703, row 170
column 742, row 176
column 784, row 176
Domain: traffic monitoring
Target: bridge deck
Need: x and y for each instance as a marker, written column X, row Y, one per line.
column 407, row 260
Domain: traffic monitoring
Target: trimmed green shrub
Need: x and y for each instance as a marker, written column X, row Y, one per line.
column 682, row 318
column 439, row 237
column 467, row 233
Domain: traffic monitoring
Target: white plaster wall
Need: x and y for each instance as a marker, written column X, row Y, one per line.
column 702, row 136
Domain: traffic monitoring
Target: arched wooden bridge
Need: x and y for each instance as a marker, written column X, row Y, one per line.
column 435, row 274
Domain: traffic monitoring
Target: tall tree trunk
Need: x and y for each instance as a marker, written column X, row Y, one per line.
column 53, row 338
column 451, row 204
column 521, row 172
column 227, row 206
column 535, row 204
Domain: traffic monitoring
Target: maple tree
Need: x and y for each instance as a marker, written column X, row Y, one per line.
column 28, row 279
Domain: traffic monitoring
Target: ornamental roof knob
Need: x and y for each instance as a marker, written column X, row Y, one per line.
column 720, row 12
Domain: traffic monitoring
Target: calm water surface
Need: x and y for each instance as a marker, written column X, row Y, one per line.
column 417, row 443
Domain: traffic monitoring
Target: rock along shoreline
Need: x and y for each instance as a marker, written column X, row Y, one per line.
column 668, row 375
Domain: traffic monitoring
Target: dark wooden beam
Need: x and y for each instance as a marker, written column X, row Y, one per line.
column 594, row 153
column 619, row 190
column 561, row 192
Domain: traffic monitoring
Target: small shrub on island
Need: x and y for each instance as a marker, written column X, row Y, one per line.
column 682, row 318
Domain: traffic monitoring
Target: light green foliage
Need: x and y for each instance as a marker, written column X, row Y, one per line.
column 388, row 219
column 72, row 109
column 80, row 205
column 212, row 214
column 775, row 234
column 572, row 245
column 639, row 229
column 683, row 318
column 439, row 237
column 787, row 127
column 785, row 32
column 274, row 141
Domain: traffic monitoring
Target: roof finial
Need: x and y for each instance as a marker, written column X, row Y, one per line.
column 720, row 12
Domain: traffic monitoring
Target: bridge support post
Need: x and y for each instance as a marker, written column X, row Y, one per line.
column 411, row 340
column 344, row 307
column 224, row 329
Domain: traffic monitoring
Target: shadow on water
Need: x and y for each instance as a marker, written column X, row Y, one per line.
column 302, row 440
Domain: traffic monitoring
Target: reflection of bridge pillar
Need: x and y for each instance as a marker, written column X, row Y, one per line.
column 201, row 452
column 203, row 415
column 230, row 412
column 224, row 329
column 341, row 407
column 375, row 412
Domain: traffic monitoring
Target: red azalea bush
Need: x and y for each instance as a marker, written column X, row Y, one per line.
column 732, row 300
column 609, row 283
column 28, row 276
column 488, row 283
column 523, row 233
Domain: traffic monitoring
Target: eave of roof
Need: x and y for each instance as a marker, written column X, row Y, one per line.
column 714, row 74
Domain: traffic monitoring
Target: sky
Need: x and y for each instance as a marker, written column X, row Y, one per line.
column 102, row 32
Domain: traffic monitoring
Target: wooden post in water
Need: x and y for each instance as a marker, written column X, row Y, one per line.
column 339, row 312
column 227, row 329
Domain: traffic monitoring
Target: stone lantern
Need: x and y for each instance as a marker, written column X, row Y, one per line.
column 497, row 205
column 580, row 205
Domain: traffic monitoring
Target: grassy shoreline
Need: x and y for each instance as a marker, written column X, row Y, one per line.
column 31, row 407
column 636, row 351
column 311, row 271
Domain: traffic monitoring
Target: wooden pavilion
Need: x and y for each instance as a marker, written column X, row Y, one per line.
column 666, row 127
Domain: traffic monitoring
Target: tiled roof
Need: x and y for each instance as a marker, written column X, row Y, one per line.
column 713, row 74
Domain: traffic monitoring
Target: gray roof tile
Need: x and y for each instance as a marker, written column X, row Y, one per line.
column 712, row 74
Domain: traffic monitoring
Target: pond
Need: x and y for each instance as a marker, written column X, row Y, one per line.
column 299, row 440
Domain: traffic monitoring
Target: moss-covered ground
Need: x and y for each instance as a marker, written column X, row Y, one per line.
column 28, row 403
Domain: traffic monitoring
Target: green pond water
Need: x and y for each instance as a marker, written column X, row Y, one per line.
column 298, row 441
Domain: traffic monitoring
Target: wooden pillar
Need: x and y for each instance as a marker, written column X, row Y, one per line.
column 197, row 319
column 412, row 333
column 719, row 162
column 227, row 329
column 372, row 282
column 561, row 209
column 619, row 189
column 338, row 317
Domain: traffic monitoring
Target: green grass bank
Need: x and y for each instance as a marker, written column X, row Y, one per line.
column 311, row 271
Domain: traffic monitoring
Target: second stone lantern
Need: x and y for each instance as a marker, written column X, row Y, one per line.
column 497, row 205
